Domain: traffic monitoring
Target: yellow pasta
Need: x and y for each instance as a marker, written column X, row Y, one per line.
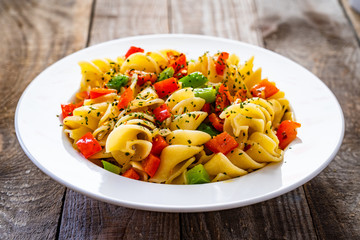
column 164, row 119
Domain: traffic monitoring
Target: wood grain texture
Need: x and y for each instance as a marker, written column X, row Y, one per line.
column 353, row 16
column 34, row 34
column 329, row 50
column 280, row 218
column 83, row 217
column 119, row 19
column 229, row 19
column 285, row 217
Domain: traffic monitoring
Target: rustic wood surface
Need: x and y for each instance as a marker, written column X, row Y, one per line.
column 353, row 16
column 320, row 35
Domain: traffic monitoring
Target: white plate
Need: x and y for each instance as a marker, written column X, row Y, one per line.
column 316, row 108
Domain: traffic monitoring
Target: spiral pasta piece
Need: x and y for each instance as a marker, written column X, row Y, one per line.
column 141, row 62
column 85, row 119
column 97, row 72
column 220, row 168
column 146, row 98
column 173, row 158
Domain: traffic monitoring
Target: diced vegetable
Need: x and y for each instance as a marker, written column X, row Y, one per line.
column 158, row 145
column 178, row 63
column 167, row 73
column 223, row 99
column 216, row 122
column 209, row 93
column 143, row 77
column 194, row 80
column 241, row 94
column 264, row 89
column 83, row 95
column 220, row 63
column 206, row 108
column 166, row 87
column 131, row 173
column 151, row 164
column 98, row 92
column 67, row 109
column 133, row 50
column 208, row 129
column 117, row 82
column 223, row 143
column 88, row 145
column 162, row 112
column 225, row 90
column 286, row 132
column 126, row 97
column 111, row 167
column 197, row 175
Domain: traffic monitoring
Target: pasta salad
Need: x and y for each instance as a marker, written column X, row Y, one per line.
column 160, row 117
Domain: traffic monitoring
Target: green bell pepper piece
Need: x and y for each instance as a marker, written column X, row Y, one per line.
column 209, row 94
column 197, row 175
column 117, row 82
column 208, row 129
column 167, row 73
column 111, row 167
column 194, row 80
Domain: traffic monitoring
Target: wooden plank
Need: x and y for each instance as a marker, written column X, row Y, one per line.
column 281, row 218
column 353, row 16
column 234, row 20
column 33, row 35
column 317, row 35
column 83, row 217
column 118, row 19
column 285, row 217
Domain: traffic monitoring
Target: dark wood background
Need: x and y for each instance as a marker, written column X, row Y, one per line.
column 321, row 35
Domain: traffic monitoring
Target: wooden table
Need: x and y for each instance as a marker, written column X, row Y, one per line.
column 321, row 35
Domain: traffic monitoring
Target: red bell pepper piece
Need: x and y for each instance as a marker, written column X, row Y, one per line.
column 264, row 89
column 143, row 77
column 178, row 63
column 126, row 97
column 206, row 108
column 133, row 50
column 216, row 122
column 166, row 87
column 131, row 173
column 220, row 63
column 162, row 112
column 88, row 145
column 158, row 145
column 98, row 92
column 286, row 132
column 241, row 94
column 223, row 99
column 151, row 164
column 67, row 109
column 83, row 95
column 223, row 143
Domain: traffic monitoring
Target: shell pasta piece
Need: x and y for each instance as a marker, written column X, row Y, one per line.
column 188, row 137
column 161, row 117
